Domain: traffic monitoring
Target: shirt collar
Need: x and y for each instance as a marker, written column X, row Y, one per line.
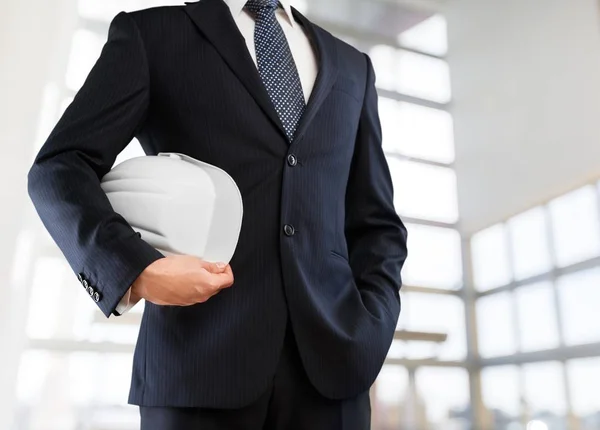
column 236, row 7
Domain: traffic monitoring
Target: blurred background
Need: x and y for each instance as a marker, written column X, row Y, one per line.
column 491, row 119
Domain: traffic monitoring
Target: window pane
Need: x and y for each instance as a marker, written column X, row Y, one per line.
column 411, row 73
column 397, row 349
column 538, row 326
column 580, row 304
column 584, row 380
column 529, row 243
column 489, row 250
column 416, row 131
column 85, row 51
column 390, row 398
column 424, row 77
column 500, row 391
column 424, row 191
column 576, row 226
column 430, row 36
column 433, row 247
column 544, row 393
column 495, row 326
column 434, row 313
column 444, row 408
column 384, row 63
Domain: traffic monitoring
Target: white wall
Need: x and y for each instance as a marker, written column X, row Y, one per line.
column 526, row 82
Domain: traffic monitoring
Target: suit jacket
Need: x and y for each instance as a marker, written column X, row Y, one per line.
column 321, row 243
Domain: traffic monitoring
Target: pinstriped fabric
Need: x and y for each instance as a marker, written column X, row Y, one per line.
column 178, row 79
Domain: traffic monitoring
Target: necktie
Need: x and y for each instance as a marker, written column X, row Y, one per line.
column 276, row 65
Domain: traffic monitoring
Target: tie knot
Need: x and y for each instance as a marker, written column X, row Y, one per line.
column 256, row 6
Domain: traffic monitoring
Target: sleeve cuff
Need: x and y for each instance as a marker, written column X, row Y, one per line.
column 124, row 305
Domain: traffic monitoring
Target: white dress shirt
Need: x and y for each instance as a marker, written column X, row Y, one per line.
column 302, row 51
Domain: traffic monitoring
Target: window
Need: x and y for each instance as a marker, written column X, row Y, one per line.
column 529, row 243
column 430, row 36
column 579, row 295
column 435, row 313
column 433, row 247
column 538, row 328
column 489, row 250
column 584, row 378
column 495, row 323
column 501, row 393
column 424, row 77
column 424, row 191
column 444, row 408
column 576, row 226
column 410, row 73
column 390, row 397
column 416, row 131
column 564, row 232
column 544, row 393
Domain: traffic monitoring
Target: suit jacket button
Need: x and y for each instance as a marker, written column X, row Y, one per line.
column 85, row 284
column 96, row 297
column 80, row 277
column 288, row 230
column 90, row 290
column 292, row 160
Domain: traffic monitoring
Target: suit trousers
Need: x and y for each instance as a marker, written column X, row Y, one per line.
column 290, row 403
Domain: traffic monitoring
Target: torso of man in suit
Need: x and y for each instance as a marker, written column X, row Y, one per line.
column 321, row 245
column 302, row 51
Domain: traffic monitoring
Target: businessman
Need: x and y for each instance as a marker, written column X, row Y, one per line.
column 291, row 333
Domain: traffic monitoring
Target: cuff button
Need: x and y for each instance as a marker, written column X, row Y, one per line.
column 96, row 297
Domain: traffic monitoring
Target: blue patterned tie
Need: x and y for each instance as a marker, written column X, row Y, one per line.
column 276, row 65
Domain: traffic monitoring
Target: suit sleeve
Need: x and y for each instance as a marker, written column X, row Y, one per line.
column 64, row 181
column 376, row 237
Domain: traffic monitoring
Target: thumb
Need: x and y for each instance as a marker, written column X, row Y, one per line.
column 215, row 267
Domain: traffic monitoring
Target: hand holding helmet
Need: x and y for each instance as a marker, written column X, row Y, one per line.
column 181, row 280
column 187, row 209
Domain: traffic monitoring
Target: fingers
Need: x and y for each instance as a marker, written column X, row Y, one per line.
column 214, row 267
column 218, row 281
column 225, row 278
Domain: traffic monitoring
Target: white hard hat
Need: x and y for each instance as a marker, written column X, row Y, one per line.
column 178, row 204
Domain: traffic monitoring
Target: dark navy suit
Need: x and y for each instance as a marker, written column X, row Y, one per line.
column 321, row 244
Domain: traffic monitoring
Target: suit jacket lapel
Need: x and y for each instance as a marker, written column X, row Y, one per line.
column 214, row 20
column 326, row 52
